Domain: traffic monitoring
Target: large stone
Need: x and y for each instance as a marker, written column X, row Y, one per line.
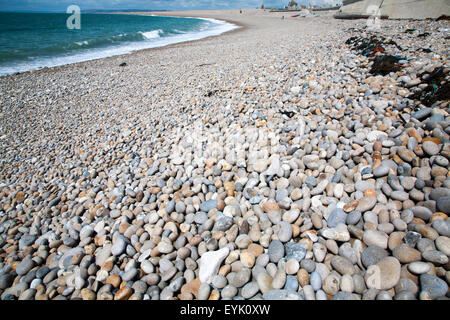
column 210, row 263
column 6, row 280
column 118, row 246
column 337, row 216
column 375, row 238
column 296, row 251
column 372, row 255
column 285, row 232
column 421, row 212
column 25, row 266
column 438, row 193
column 434, row 286
column 443, row 245
column 384, row 275
column 342, row 265
column 275, row 251
column 443, row 204
column 406, row 254
column 208, row 205
column 366, row 203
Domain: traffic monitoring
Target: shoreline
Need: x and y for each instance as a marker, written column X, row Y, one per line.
column 240, row 27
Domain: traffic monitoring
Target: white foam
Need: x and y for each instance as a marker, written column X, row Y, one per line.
column 152, row 41
column 152, row 34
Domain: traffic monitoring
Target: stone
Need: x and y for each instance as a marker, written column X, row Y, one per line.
column 279, row 279
column 372, row 255
column 208, row 205
column 264, row 282
column 319, row 251
column 339, row 233
column 381, row 171
column 25, row 266
column 353, row 217
column 421, row 212
column 433, row 286
column 442, row 227
column 411, row 238
column 292, row 266
column 308, row 292
column 439, row 192
column 124, row 293
column 430, row 148
column 331, row 284
column 204, row 291
column 383, row 275
column 232, row 211
column 419, row 267
column 275, row 250
column 291, row 283
column 316, row 280
column 435, row 256
column 443, row 205
column 223, row 223
column 250, row 290
column 376, row 238
column 191, row 287
column 399, row 195
column 347, row 284
column 406, row 254
column 337, row 216
column 280, row 295
column 118, row 246
column 26, row 241
column 366, row 203
column 443, row 244
column 6, row 280
column 405, row 154
column 247, row 259
column 285, row 232
column 210, row 263
column 342, row 265
column 87, row 294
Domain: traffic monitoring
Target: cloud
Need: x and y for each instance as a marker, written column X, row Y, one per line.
column 61, row 5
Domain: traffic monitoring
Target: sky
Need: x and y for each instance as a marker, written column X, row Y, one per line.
column 61, row 5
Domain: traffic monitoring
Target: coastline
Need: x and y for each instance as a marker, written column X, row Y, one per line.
column 176, row 14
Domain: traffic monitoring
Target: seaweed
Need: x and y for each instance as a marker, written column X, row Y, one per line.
column 385, row 64
column 423, row 35
column 366, row 47
column 370, row 46
column 373, row 48
column 438, row 88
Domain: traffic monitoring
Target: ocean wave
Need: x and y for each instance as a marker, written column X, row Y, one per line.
column 152, row 34
column 117, row 45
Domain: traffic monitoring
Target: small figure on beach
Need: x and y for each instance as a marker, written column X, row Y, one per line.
column 240, row 11
column 282, row 17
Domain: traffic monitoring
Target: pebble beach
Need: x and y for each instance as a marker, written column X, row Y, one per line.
column 264, row 163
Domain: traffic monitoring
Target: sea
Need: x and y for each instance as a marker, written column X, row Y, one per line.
column 37, row 40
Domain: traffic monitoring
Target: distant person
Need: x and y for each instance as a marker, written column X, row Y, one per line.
column 240, row 11
column 282, row 17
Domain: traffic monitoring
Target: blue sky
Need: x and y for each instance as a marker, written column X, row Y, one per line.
column 61, row 5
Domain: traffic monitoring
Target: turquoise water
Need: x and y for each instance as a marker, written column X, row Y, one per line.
column 36, row 40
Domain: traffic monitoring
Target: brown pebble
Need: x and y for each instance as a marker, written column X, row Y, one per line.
column 123, row 294
column 192, row 287
column 113, row 280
